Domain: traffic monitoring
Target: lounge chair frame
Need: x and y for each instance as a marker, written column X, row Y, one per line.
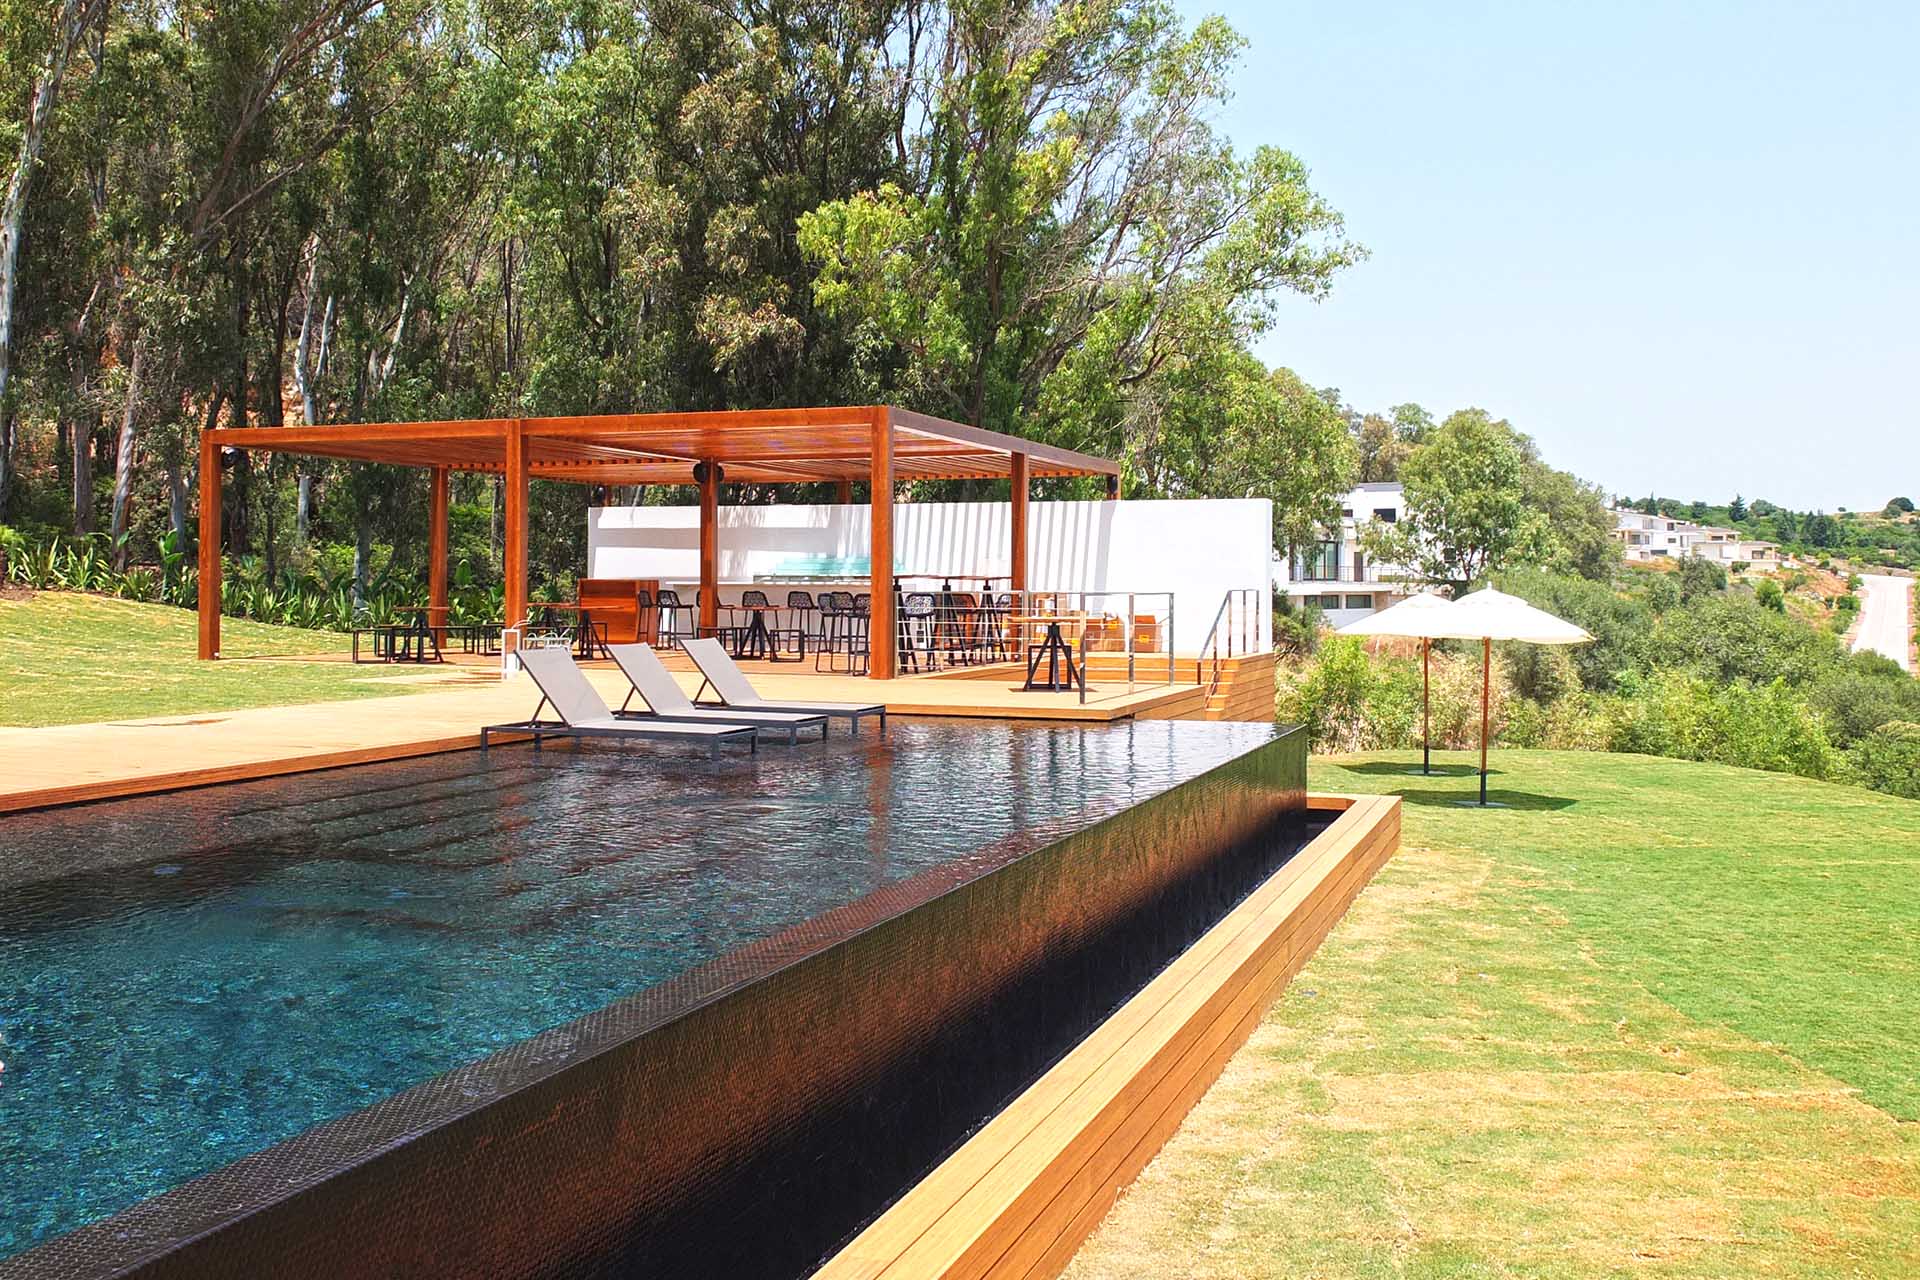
column 851, row 712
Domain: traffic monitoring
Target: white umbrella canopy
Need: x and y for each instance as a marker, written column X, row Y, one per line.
column 1494, row 615
column 1413, row 617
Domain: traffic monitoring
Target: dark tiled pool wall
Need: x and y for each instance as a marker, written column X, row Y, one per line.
column 751, row 1135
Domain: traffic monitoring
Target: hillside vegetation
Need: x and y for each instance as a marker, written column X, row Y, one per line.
column 1682, row 665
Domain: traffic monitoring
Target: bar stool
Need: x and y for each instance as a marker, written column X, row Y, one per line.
column 642, row 606
column 801, row 605
column 676, row 619
column 919, row 627
column 838, row 629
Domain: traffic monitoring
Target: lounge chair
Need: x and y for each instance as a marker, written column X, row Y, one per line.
column 730, row 683
column 666, row 700
column 584, row 715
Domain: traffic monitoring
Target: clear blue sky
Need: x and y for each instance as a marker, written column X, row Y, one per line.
column 1678, row 244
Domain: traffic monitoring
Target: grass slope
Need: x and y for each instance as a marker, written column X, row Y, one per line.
column 70, row 659
column 1655, row 1019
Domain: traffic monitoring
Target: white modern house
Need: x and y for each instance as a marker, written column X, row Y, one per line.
column 1645, row 537
column 1727, row 547
column 1653, row 537
column 1336, row 574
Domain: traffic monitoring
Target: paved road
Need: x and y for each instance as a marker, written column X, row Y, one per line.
column 1885, row 612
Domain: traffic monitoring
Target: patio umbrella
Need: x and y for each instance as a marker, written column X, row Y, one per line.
column 1414, row 618
column 1490, row 615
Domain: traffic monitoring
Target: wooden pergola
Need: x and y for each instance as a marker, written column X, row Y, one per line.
column 875, row 443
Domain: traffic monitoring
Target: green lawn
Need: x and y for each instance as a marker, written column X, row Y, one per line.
column 1654, row 1019
column 67, row 659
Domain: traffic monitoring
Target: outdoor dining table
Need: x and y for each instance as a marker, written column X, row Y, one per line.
column 756, row 639
column 1053, row 648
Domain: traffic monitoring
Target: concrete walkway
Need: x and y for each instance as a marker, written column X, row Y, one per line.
column 1886, row 615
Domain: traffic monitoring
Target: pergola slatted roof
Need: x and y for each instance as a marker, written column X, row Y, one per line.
column 765, row 446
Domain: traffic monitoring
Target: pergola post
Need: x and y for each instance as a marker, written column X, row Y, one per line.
column 209, row 547
column 708, row 474
column 437, row 555
column 843, row 492
column 883, row 641
column 1019, row 550
column 515, row 567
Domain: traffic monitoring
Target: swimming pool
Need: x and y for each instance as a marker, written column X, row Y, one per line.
column 189, row 979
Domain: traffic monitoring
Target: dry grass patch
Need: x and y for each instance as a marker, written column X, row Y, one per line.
column 1474, row 1078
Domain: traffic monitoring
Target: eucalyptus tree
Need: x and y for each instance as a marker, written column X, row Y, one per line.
column 34, row 58
column 1466, row 511
column 1067, row 212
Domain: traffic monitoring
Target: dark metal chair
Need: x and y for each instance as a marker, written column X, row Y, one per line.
column 919, row 628
column 643, row 607
column 805, row 617
column 842, row 631
column 677, row 620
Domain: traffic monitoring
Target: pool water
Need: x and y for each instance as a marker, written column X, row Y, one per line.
column 188, row 979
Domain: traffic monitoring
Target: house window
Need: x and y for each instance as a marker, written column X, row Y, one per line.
column 1359, row 602
column 1386, row 515
column 1327, row 602
column 1321, row 563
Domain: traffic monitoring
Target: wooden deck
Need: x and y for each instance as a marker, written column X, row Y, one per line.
column 71, row 763
column 1018, row 1198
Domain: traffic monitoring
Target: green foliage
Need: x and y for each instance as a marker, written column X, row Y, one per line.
column 1768, row 593
column 1072, row 250
column 1888, row 759
column 1861, row 696
column 1764, row 726
column 1700, row 577
column 1466, row 507
column 1897, row 508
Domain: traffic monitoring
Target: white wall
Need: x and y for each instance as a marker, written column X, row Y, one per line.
column 1196, row 549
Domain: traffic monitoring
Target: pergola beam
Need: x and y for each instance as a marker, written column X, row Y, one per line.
column 209, row 548
column 883, row 643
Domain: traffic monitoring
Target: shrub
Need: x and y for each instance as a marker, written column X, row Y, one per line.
column 1770, row 596
column 1621, row 626
column 1700, row 578
column 1726, row 638
column 1330, row 698
column 1888, row 759
column 1857, row 699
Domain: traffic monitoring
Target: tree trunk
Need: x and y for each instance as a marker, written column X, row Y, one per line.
column 362, row 554
column 176, row 490
column 123, row 461
column 75, row 15
column 6, row 459
column 82, row 476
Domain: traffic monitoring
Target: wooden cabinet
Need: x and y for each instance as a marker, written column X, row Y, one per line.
column 614, row 603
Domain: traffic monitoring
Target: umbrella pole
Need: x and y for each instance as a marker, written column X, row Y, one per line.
column 1426, row 705
column 1486, row 686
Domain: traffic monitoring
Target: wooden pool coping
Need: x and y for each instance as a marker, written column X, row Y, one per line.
column 73, row 764
column 1019, row 1197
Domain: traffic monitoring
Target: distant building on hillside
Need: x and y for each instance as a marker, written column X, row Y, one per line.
column 1646, row 537
column 1729, row 546
column 1335, row 574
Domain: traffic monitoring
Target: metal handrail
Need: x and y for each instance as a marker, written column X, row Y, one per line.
column 1210, row 647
